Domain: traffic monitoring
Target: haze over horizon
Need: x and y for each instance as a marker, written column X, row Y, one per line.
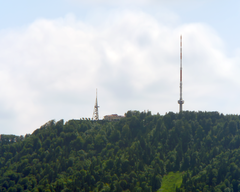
column 53, row 56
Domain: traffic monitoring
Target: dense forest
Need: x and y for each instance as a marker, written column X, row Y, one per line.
column 132, row 154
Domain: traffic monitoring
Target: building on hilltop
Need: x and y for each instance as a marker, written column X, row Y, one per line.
column 113, row 117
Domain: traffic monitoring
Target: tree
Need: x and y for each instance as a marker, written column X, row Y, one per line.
column 100, row 142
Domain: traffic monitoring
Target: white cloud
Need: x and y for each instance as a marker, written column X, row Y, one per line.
column 50, row 69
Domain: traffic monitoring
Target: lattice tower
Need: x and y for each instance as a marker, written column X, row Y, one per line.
column 95, row 110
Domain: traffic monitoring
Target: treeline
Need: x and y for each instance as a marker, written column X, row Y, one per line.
column 5, row 139
column 132, row 154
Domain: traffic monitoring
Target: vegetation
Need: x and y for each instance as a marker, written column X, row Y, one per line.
column 132, row 154
column 171, row 181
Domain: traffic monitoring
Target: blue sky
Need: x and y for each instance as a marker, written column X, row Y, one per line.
column 54, row 54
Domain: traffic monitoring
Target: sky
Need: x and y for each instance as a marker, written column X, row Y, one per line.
column 55, row 54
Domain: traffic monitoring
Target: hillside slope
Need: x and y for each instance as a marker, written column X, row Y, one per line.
column 132, row 154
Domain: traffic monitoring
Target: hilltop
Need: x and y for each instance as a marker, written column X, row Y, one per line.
column 132, row 154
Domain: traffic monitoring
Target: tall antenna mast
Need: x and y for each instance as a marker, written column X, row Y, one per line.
column 95, row 110
column 180, row 101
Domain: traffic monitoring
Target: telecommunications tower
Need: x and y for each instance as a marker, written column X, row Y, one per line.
column 180, row 101
column 95, row 110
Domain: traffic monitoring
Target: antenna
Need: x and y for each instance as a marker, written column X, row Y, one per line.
column 180, row 101
column 95, row 110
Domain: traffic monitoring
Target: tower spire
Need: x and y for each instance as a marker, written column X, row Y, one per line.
column 180, row 101
column 95, row 110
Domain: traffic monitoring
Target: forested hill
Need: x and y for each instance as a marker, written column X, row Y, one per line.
column 132, row 154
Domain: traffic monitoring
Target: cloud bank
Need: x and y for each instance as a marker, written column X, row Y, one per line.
column 51, row 68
